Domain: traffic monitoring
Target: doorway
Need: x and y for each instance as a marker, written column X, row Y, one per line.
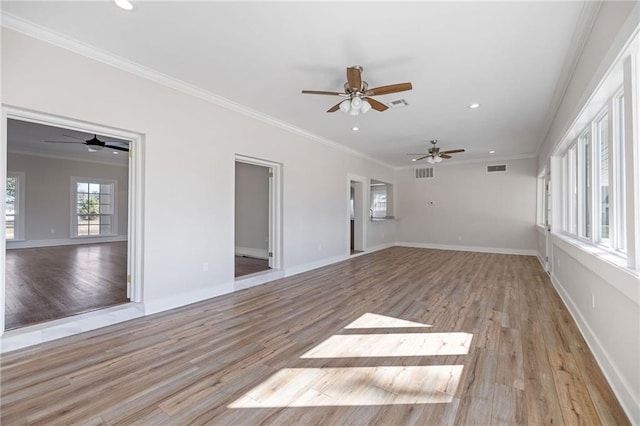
column 256, row 241
column 356, row 215
column 71, row 223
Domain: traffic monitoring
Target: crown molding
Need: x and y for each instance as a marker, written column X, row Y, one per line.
column 578, row 42
column 30, row 29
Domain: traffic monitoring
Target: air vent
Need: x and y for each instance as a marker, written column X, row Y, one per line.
column 398, row 103
column 499, row 168
column 424, row 173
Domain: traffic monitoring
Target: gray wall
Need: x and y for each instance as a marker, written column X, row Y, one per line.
column 47, row 194
column 252, row 210
column 464, row 206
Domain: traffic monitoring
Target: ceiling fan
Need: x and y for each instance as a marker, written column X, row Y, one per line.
column 359, row 95
column 94, row 144
column 434, row 155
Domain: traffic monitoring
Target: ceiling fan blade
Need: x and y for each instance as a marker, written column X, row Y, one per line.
column 385, row 90
column 453, row 151
column 320, row 92
column 74, row 137
column 354, row 78
column 119, row 148
column 378, row 106
column 447, row 156
column 422, row 153
column 64, row 142
column 335, row 107
column 422, row 158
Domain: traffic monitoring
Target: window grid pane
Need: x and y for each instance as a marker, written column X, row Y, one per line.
column 10, row 207
column 94, row 209
column 621, row 224
column 603, row 179
column 585, row 187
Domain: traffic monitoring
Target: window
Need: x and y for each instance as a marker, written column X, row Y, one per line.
column 381, row 200
column 94, row 207
column 540, row 201
column 584, row 185
column 572, row 189
column 593, row 173
column 14, row 207
column 620, row 242
column 602, row 179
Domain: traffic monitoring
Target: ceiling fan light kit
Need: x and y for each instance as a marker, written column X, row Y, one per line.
column 434, row 155
column 355, row 106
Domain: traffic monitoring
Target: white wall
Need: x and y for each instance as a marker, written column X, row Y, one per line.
column 611, row 328
column 190, row 147
column 251, row 210
column 465, row 207
column 47, row 194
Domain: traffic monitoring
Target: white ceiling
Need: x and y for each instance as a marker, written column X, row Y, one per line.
column 27, row 137
column 511, row 57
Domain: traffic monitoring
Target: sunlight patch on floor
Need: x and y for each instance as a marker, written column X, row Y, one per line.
column 354, row 386
column 370, row 320
column 372, row 385
column 397, row 344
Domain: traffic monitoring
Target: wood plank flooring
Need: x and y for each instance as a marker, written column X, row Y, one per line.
column 48, row 283
column 419, row 337
column 250, row 265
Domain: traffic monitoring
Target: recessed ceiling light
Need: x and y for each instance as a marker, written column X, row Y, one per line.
column 124, row 4
column 474, row 106
column 355, row 128
column 492, row 152
column 115, row 152
column 414, row 159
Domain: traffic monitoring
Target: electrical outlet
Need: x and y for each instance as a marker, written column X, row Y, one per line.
column 53, row 231
column 593, row 301
column 459, row 237
column 205, row 267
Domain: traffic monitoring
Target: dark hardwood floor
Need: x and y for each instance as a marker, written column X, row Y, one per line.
column 400, row 336
column 250, row 265
column 48, row 283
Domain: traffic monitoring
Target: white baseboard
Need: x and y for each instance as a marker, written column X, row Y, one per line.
column 63, row 242
column 258, row 278
column 295, row 270
column 252, row 252
column 478, row 249
column 379, row 247
column 618, row 382
column 182, row 299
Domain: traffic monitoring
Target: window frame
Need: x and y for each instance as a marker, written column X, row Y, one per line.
column 584, row 175
column 75, row 180
column 375, row 213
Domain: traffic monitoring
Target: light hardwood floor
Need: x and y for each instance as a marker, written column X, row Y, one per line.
column 47, row 283
column 400, row 336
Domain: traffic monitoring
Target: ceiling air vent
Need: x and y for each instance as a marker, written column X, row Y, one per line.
column 398, row 103
column 500, row 168
column 423, row 173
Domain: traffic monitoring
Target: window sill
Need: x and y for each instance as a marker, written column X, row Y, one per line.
column 611, row 267
column 82, row 237
column 381, row 219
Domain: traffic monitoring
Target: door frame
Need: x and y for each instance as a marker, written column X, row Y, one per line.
column 135, row 242
column 275, row 207
column 360, row 215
